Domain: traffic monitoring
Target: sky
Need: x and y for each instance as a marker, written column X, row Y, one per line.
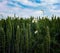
column 27, row 8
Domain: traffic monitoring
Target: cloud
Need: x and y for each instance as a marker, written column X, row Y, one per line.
column 23, row 12
column 55, row 11
column 26, row 8
column 27, row 2
column 51, row 1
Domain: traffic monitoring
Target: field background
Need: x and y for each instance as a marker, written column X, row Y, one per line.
column 30, row 35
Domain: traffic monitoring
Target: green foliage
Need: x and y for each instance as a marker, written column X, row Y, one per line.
column 17, row 40
column 30, row 35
